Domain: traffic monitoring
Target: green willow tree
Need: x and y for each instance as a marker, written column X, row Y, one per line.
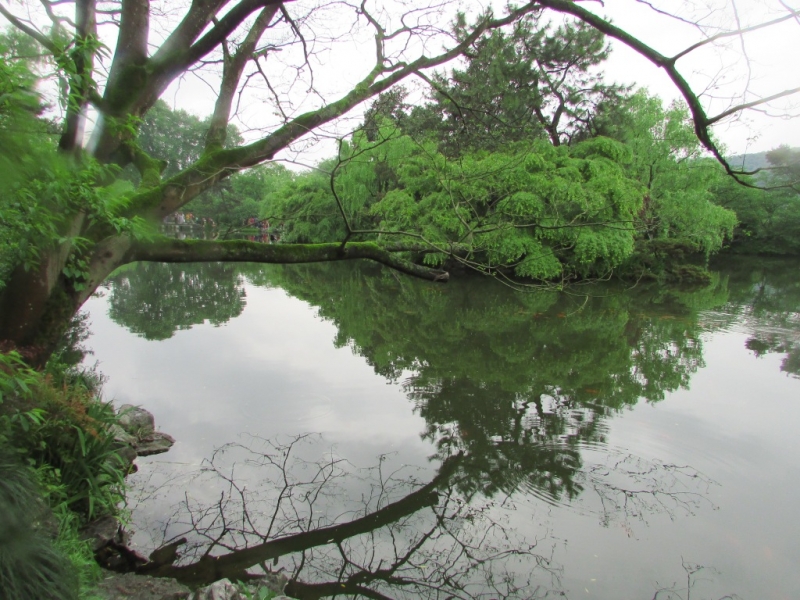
column 97, row 222
column 680, row 213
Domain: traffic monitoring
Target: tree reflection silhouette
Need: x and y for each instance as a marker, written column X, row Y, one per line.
column 153, row 300
column 398, row 537
column 519, row 382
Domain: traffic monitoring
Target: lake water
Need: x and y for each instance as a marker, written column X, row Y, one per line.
column 604, row 442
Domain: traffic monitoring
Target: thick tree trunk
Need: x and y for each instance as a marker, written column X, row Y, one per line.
column 37, row 304
column 36, row 307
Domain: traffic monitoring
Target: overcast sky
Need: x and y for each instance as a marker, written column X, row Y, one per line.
column 343, row 55
column 728, row 73
column 771, row 67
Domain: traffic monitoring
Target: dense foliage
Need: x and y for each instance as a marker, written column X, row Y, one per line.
column 638, row 198
column 769, row 213
column 59, row 470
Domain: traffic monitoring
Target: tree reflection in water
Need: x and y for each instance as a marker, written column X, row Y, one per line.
column 154, row 300
column 515, row 390
column 381, row 532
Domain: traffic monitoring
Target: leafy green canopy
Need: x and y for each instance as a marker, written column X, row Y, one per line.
column 24, row 155
column 534, row 81
column 39, row 186
column 668, row 161
column 545, row 211
column 510, row 166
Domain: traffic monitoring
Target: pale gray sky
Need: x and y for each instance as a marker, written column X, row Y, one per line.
column 725, row 71
column 342, row 54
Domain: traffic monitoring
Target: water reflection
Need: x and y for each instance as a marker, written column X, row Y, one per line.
column 516, row 392
column 519, row 382
column 399, row 536
column 154, row 300
column 767, row 298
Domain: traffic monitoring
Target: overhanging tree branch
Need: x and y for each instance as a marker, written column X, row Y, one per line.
column 699, row 116
column 183, row 251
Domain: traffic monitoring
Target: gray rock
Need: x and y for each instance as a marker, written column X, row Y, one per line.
column 219, row 590
column 121, row 437
column 154, row 443
column 135, row 420
column 126, row 456
column 101, row 532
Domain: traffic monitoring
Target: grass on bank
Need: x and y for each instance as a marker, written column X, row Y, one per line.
column 58, row 471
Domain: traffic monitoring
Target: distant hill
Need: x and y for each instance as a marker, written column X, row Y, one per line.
column 752, row 161
column 749, row 162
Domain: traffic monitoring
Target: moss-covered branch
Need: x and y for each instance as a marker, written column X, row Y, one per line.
column 180, row 251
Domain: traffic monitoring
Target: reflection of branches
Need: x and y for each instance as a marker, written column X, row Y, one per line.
column 628, row 488
column 397, row 538
column 381, row 533
column 693, row 572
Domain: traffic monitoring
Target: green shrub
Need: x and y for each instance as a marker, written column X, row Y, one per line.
column 78, row 551
column 64, row 428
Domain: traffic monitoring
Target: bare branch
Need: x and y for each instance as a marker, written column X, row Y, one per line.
column 35, row 34
column 740, row 107
column 738, row 32
column 231, row 75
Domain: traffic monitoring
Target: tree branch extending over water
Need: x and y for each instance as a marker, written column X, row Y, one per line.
column 178, row 251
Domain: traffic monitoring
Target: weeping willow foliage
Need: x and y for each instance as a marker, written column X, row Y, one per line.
column 679, row 203
column 541, row 210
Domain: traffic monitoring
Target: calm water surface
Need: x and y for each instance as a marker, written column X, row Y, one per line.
column 465, row 440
